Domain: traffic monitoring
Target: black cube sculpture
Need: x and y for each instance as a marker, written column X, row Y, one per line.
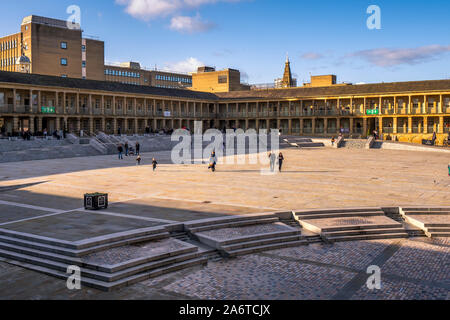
column 95, row 201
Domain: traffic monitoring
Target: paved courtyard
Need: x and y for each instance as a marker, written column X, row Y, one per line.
column 44, row 198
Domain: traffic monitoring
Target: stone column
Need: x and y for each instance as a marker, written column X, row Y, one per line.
column 91, row 125
column 380, row 125
column 441, row 124
column 290, row 124
column 114, row 126
column 313, row 121
column 14, row 103
column 441, row 104
column 135, row 107
column 77, row 103
column 425, row 125
column 15, row 123
column 39, row 124
column 395, row 124
column 31, row 104
column 351, row 125
column 113, row 105
column 364, row 127
column 103, row 128
column 31, row 127
column 57, row 124
column 325, row 126
column 302, row 126
column 338, row 125
column 125, row 125
column 64, row 103
column 409, row 124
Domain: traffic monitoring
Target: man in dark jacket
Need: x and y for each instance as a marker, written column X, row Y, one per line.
column 120, row 150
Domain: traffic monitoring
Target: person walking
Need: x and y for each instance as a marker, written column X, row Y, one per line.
column 333, row 140
column 126, row 149
column 273, row 159
column 138, row 160
column 154, row 164
column 120, row 151
column 212, row 161
column 138, row 148
column 280, row 161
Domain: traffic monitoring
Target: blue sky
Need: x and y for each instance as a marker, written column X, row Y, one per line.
column 321, row 37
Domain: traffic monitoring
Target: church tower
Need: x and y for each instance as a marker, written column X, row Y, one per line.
column 287, row 81
column 287, row 77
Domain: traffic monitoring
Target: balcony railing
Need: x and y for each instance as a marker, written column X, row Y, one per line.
column 402, row 129
column 388, row 130
column 307, row 130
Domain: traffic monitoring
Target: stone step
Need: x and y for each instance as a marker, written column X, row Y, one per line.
column 337, row 210
column 432, row 230
column 84, row 244
column 222, row 220
column 108, row 286
column 81, row 263
column 361, row 227
column 257, row 243
column 437, row 234
column 234, row 224
column 267, row 247
column 425, row 209
column 96, row 274
column 419, row 212
column 362, row 232
column 340, row 215
column 5, row 241
column 368, row 237
column 262, row 236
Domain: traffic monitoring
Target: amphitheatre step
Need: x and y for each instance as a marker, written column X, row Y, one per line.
column 6, row 240
column 261, row 236
column 437, row 234
column 362, row 232
column 222, row 220
column 257, row 243
column 337, row 210
column 267, row 247
column 96, row 274
column 234, row 224
column 421, row 212
column 90, row 265
column 425, row 209
column 108, row 286
column 368, row 237
column 339, row 215
column 360, row 227
column 87, row 243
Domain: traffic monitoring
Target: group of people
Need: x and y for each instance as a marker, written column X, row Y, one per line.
column 129, row 151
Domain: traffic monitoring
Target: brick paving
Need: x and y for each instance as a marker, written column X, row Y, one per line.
column 347, row 221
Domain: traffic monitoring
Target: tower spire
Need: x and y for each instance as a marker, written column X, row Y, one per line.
column 287, row 77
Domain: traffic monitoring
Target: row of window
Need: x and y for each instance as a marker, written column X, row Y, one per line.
column 119, row 73
column 11, row 44
column 173, row 78
column 8, row 62
column 167, row 87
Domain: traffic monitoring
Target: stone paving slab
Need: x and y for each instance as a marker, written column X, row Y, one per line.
column 12, row 213
column 139, row 251
column 431, row 218
column 351, row 221
column 78, row 226
column 242, row 232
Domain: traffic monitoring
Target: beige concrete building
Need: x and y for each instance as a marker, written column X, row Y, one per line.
column 53, row 49
column 207, row 79
column 133, row 73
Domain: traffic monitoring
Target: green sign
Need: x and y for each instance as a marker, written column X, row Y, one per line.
column 48, row 110
column 372, row 111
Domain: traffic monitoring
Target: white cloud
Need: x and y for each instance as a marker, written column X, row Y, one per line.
column 151, row 9
column 312, row 56
column 385, row 57
column 190, row 24
column 188, row 65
